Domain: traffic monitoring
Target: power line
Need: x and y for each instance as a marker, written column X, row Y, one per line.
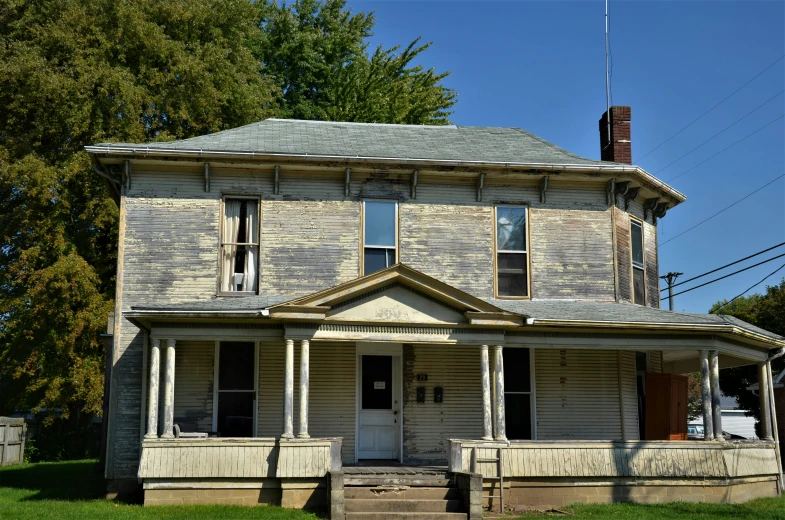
column 726, row 276
column 712, row 108
column 726, row 149
column 720, row 132
column 751, row 287
column 723, row 209
column 724, row 266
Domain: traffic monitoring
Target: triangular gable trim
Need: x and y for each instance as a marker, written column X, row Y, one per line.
column 316, row 306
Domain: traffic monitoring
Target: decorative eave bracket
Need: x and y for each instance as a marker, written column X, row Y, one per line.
column 480, row 186
column 543, row 189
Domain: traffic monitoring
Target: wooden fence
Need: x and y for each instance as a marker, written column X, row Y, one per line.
column 12, row 440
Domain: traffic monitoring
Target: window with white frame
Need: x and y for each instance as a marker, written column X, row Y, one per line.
column 380, row 235
column 512, row 262
column 518, row 394
column 638, row 271
column 239, row 245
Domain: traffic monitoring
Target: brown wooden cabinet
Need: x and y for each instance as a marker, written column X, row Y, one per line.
column 666, row 407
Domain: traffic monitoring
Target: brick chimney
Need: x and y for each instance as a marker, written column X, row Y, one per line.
column 620, row 147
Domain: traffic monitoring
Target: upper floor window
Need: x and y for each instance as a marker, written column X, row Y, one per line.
column 512, row 258
column 638, row 272
column 239, row 245
column 380, row 235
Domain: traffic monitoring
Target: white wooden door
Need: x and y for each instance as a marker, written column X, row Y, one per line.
column 379, row 408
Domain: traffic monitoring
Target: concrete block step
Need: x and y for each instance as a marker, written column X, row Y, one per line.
column 401, row 493
column 356, row 505
column 406, row 516
column 395, row 480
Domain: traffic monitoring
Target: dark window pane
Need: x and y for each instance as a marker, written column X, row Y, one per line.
column 378, row 259
column 236, row 366
column 379, row 223
column 518, row 416
column 510, row 229
column 641, row 361
column 376, row 382
column 636, row 233
column 511, row 268
column 235, row 414
column 638, row 283
column 517, row 373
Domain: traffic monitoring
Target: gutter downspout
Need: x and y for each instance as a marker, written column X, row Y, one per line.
column 774, row 416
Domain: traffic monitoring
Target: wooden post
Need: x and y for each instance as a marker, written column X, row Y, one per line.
column 716, row 405
column 487, row 432
column 708, row 422
column 774, row 429
column 169, row 392
column 765, row 408
column 288, row 391
column 6, row 434
column 304, row 369
column 500, row 415
column 153, row 389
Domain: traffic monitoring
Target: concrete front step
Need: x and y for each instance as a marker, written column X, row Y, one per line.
column 401, row 493
column 406, row 516
column 355, row 505
column 395, row 480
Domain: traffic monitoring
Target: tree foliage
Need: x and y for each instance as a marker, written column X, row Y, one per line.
column 767, row 311
column 317, row 52
column 78, row 73
column 74, row 73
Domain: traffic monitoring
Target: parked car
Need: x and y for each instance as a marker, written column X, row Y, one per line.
column 695, row 433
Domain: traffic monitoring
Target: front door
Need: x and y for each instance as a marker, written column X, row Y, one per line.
column 378, row 415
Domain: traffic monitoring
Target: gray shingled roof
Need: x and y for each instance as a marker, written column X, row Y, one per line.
column 443, row 143
column 618, row 312
column 537, row 309
column 728, row 403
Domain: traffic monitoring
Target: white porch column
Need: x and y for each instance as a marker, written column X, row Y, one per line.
column 716, row 406
column 708, row 422
column 501, row 434
column 304, row 369
column 288, row 392
column 153, row 390
column 487, row 428
column 169, row 392
column 765, row 405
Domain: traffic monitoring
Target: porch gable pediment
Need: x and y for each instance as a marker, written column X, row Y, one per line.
column 396, row 295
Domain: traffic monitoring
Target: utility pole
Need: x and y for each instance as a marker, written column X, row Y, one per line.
column 670, row 278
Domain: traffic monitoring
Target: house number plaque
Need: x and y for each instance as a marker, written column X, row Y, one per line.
column 422, row 377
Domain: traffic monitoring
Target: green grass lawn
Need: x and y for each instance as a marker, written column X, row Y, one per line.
column 74, row 490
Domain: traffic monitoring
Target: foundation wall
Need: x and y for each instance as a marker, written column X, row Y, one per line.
column 289, row 493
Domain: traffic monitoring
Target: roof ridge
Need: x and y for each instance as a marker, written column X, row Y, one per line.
column 394, row 125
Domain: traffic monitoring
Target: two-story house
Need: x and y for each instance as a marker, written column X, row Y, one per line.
column 306, row 311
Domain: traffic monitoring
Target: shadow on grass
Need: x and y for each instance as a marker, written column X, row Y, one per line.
column 73, row 480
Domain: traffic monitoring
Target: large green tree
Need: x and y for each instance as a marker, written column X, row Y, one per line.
column 767, row 311
column 78, row 73
column 317, row 53
column 74, row 73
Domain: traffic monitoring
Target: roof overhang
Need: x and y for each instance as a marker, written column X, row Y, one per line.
column 635, row 173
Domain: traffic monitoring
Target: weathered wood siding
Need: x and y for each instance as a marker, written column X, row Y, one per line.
column 624, row 459
column 193, row 389
column 459, row 236
column 571, row 254
column 623, row 254
column 428, row 426
column 578, row 394
column 629, row 394
column 310, row 239
column 331, row 407
column 308, row 246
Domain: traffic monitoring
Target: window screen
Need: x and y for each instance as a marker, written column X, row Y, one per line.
column 379, row 235
column 511, row 253
column 518, row 393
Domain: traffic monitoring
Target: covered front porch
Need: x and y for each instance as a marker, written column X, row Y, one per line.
column 273, row 405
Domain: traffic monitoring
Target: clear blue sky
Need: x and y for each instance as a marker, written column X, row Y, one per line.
column 540, row 66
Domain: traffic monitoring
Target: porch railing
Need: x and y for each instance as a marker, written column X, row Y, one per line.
column 229, row 458
column 613, row 459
